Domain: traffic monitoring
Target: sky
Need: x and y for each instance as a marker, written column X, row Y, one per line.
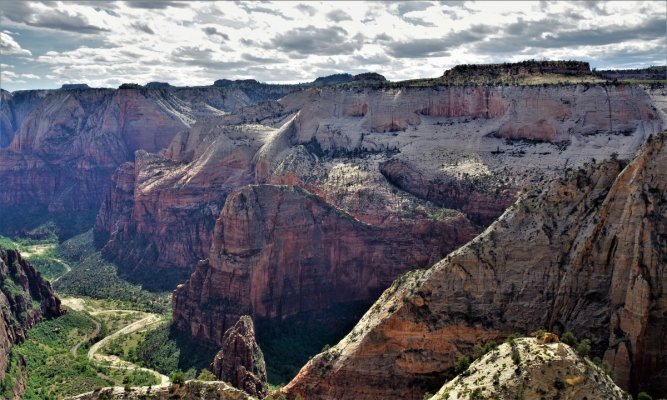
column 44, row 44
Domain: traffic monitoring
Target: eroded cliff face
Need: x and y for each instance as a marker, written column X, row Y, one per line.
column 378, row 154
column 189, row 390
column 279, row 251
column 240, row 361
column 586, row 254
column 25, row 299
column 63, row 145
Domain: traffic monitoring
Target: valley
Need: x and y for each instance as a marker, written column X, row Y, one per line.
column 353, row 240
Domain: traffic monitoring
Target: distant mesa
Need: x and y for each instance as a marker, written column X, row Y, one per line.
column 523, row 68
column 158, row 85
column 130, row 86
column 73, row 86
column 227, row 82
column 369, row 76
column 334, row 79
column 650, row 73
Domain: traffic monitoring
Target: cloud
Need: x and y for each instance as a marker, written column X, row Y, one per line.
column 8, row 46
column 312, row 40
column 306, row 9
column 143, row 27
column 438, row 47
column 338, row 16
column 410, row 6
column 212, row 31
column 155, row 5
column 50, row 18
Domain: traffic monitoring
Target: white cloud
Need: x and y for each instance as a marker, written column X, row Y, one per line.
column 8, row 46
column 195, row 43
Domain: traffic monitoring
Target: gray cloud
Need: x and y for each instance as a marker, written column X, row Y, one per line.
column 140, row 26
column 338, row 16
column 306, row 9
column 438, row 47
column 53, row 19
column 155, row 5
column 261, row 60
column 550, row 34
column 418, row 22
column 410, row 6
column 212, row 31
column 312, row 40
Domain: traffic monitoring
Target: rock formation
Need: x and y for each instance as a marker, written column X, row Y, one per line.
column 25, row 299
column 527, row 368
column 190, row 390
column 467, row 148
column 279, row 251
column 585, row 253
column 59, row 148
column 240, row 361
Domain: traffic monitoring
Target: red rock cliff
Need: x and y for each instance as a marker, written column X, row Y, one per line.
column 279, row 251
column 585, row 254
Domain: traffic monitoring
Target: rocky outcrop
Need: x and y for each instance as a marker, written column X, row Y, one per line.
column 63, row 145
column 468, row 72
column 528, row 368
column 585, row 254
column 240, row 361
column 25, row 299
column 189, row 390
column 480, row 199
column 279, row 251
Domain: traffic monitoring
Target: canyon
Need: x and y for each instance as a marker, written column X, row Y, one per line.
column 25, row 300
column 267, row 203
column 584, row 253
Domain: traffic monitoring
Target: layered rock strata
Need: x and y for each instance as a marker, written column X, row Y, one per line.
column 58, row 148
column 585, row 254
column 468, row 148
column 240, row 361
column 189, row 390
column 25, row 299
column 279, row 251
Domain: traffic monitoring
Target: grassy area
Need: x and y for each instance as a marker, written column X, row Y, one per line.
column 96, row 278
column 167, row 350
column 54, row 373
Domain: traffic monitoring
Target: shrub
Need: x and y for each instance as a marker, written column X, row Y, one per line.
column 206, row 375
column 644, row 396
column 462, row 363
column 177, row 377
column 569, row 339
column 584, row 348
column 559, row 384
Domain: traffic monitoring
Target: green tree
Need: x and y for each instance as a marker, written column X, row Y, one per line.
column 206, row 375
column 569, row 339
column 462, row 363
column 177, row 377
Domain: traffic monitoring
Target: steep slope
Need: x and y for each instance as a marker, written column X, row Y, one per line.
column 375, row 153
column 65, row 144
column 528, row 368
column 279, row 251
column 586, row 254
column 25, row 299
column 240, row 361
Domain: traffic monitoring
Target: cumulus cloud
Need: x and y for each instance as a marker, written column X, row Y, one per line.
column 313, row 40
column 194, row 43
column 8, row 46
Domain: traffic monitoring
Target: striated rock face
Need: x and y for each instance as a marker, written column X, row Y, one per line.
column 444, row 146
column 62, row 146
column 21, row 289
column 279, row 251
column 585, row 254
column 240, row 361
column 543, row 370
column 190, row 390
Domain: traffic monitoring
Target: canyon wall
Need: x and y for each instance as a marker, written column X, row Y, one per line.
column 59, row 148
column 279, row 251
column 585, row 253
column 25, row 299
column 379, row 154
